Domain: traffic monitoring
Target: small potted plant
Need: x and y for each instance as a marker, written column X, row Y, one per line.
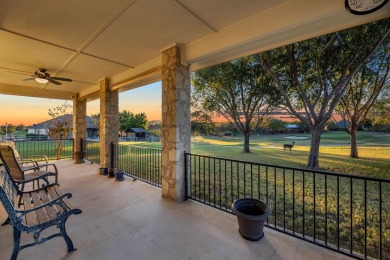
column 119, row 175
column 251, row 215
column 111, row 173
column 103, row 171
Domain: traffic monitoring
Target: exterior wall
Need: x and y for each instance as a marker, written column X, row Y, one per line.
column 79, row 122
column 37, row 131
column 109, row 121
column 176, row 124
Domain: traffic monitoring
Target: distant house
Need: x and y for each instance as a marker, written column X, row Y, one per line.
column 43, row 128
column 342, row 125
column 291, row 128
column 138, row 133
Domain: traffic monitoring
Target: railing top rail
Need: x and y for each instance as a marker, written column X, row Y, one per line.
column 352, row 176
column 135, row 146
column 43, row 140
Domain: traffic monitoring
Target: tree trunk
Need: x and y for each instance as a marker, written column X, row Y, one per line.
column 312, row 162
column 354, row 148
column 246, row 143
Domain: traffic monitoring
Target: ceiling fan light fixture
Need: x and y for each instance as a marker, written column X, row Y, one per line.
column 40, row 80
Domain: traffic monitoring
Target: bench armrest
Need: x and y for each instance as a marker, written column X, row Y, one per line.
column 35, row 156
column 42, row 177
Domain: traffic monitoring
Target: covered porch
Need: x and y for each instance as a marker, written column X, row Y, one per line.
column 130, row 220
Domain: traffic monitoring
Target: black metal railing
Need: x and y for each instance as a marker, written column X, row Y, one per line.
column 47, row 147
column 346, row 213
column 92, row 149
column 139, row 162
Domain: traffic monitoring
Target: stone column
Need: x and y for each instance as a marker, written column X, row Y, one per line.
column 109, row 121
column 176, row 128
column 79, row 127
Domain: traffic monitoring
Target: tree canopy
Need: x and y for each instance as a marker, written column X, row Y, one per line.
column 313, row 75
column 239, row 90
column 201, row 123
column 59, row 126
column 370, row 83
column 129, row 120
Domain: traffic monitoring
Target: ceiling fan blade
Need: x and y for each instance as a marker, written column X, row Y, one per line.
column 16, row 72
column 62, row 79
column 53, row 81
column 29, row 79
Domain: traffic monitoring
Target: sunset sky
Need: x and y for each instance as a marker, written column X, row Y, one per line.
column 17, row 110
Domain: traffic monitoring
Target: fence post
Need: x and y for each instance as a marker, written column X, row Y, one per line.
column 73, row 148
column 112, row 155
column 186, row 177
column 81, row 145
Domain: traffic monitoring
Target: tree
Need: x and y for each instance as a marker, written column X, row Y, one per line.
column 11, row 129
column 313, row 75
column 363, row 91
column 201, row 123
column 59, row 126
column 239, row 90
column 96, row 120
column 129, row 120
column 21, row 127
column 275, row 125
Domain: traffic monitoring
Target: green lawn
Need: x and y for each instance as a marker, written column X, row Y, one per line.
column 374, row 151
column 299, row 200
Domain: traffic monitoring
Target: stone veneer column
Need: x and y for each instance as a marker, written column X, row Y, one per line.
column 109, row 121
column 176, row 124
column 79, row 122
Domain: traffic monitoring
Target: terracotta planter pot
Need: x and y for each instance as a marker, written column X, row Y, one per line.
column 251, row 215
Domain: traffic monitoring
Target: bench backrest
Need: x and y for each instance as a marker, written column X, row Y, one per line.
column 7, row 155
column 8, row 191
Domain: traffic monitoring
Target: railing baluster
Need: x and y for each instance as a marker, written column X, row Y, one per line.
column 226, row 203
column 314, row 204
column 338, row 212
column 326, row 209
column 351, row 218
column 284, row 199
column 275, row 208
column 303, row 203
column 380, row 221
column 365, row 219
column 293, row 191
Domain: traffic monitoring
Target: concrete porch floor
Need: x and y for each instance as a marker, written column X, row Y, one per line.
column 130, row 220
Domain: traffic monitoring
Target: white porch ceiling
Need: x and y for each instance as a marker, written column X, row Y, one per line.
column 122, row 39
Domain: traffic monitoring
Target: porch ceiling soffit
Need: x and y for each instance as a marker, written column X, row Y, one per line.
column 255, row 34
column 117, row 40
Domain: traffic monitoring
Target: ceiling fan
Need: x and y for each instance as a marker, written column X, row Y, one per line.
column 42, row 76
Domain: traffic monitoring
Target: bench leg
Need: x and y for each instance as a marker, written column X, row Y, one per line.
column 15, row 252
column 67, row 239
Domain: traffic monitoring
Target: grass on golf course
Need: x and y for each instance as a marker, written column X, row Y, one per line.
column 374, row 151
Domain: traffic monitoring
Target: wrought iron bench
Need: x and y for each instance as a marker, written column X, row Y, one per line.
column 41, row 208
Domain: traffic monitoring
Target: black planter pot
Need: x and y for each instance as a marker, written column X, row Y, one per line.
column 251, row 215
column 111, row 173
column 79, row 157
column 103, row 171
column 119, row 175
